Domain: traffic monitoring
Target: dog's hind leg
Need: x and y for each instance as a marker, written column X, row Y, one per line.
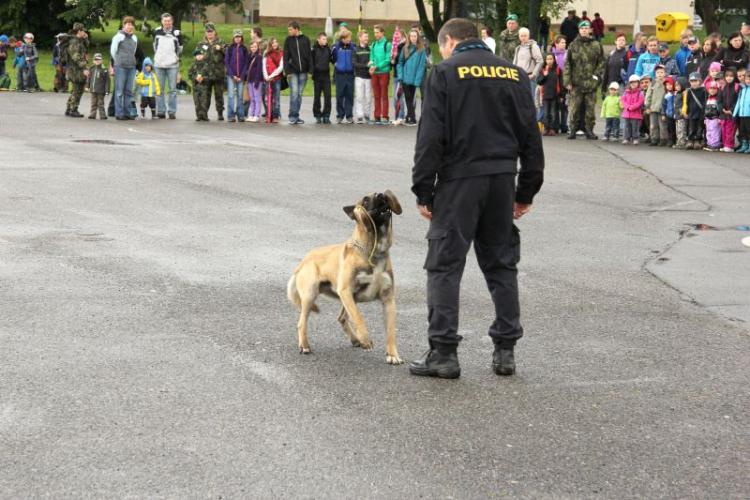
column 344, row 321
column 304, row 344
column 307, row 289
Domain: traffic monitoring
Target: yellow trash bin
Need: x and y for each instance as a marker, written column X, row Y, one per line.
column 669, row 25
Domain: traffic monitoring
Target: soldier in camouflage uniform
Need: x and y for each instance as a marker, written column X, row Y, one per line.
column 582, row 75
column 213, row 50
column 508, row 39
column 77, row 68
column 198, row 74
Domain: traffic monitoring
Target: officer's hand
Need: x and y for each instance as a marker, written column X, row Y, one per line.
column 424, row 211
column 520, row 209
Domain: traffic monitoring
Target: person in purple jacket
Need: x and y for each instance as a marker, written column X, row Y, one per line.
column 235, row 60
column 255, row 81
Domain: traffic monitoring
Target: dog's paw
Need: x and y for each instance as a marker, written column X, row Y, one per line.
column 305, row 350
column 393, row 360
column 355, row 342
column 367, row 345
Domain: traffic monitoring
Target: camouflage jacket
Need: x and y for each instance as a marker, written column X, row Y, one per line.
column 202, row 68
column 507, row 42
column 584, row 64
column 77, row 59
column 214, row 56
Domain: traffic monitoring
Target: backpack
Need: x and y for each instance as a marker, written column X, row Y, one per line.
column 4, row 81
column 62, row 46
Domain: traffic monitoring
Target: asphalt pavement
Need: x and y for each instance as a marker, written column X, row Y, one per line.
column 147, row 348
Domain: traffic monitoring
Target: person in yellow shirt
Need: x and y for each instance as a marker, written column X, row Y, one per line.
column 149, row 88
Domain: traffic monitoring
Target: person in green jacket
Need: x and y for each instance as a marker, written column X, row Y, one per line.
column 380, row 70
column 508, row 39
column 611, row 111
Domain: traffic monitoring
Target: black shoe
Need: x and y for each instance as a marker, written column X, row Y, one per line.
column 318, row 120
column 441, row 362
column 572, row 136
column 503, row 361
column 220, row 117
column 75, row 114
column 590, row 135
column 161, row 116
column 172, row 116
column 300, row 121
column 67, row 112
column 120, row 118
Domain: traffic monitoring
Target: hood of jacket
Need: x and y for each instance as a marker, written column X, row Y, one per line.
column 147, row 62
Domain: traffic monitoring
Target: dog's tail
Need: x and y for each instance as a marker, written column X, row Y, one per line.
column 293, row 294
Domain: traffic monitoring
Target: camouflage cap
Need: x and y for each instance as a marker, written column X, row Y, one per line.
column 237, row 32
column 97, row 56
column 584, row 24
column 78, row 27
column 209, row 27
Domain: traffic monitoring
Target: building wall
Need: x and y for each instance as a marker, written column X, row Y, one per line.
column 622, row 13
column 339, row 9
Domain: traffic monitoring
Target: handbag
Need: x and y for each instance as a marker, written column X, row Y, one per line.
column 284, row 83
column 245, row 92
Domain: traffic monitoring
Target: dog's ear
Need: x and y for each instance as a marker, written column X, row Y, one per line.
column 393, row 203
column 349, row 210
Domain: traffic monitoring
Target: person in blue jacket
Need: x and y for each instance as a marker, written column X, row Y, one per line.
column 412, row 64
column 648, row 61
column 343, row 61
column 683, row 53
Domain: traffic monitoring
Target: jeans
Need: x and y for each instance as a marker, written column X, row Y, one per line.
column 29, row 77
column 632, row 127
column 297, row 83
column 344, row 95
column 124, row 78
column 167, row 76
column 275, row 98
column 234, row 91
column 551, row 114
column 612, row 128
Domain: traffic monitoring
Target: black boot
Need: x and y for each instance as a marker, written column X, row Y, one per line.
column 440, row 361
column 571, row 135
column 503, row 361
column 590, row 135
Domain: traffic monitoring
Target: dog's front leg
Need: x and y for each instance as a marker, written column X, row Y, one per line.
column 389, row 315
column 360, row 329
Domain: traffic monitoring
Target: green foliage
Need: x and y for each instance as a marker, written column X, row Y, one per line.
column 36, row 16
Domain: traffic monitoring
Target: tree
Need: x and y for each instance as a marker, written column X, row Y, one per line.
column 35, row 16
column 451, row 9
column 712, row 11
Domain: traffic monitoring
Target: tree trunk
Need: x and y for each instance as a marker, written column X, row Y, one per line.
column 501, row 10
column 437, row 19
column 424, row 21
column 534, row 8
column 451, row 9
column 707, row 10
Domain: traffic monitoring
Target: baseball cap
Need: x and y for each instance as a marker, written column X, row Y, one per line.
column 663, row 46
column 633, row 78
column 695, row 76
column 614, row 85
column 584, row 24
column 645, row 77
column 512, row 17
column 237, row 32
column 692, row 39
column 97, row 56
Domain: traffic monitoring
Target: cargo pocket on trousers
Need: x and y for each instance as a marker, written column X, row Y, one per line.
column 437, row 249
column 513, row 255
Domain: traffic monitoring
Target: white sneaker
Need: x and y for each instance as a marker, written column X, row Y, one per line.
column 398, row 122
column 727, row 150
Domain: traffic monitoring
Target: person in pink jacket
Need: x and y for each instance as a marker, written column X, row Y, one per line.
column 632, row 110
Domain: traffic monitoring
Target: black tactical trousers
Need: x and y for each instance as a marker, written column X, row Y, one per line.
column 479, row 210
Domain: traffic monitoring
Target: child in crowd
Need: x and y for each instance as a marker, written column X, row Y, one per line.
column 198, row 72
column 611, row 111
column 654, row 100
column 412, row 65
column 31, row 57
column 362, row 84
column 254, row 79
column 19, row 63
column 343, row 59
column 645, row 129
column 399, row 101
column 632, row 110
column 667, row 112
column 728, row 101
column 714, row 75
column 235, row 64
column 712, row 113
column 559, row 50
column 149, row 87
column 680, row 123
column 692, row 109
column 550, row 83
column 321, row 67
column 98, row 84
column 3, row 53
column 273, row 72
column 742, row 114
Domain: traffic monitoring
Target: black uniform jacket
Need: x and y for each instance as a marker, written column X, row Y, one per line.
column 478, row 118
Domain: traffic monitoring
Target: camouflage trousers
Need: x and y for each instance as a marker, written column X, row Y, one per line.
column 76, row 91
column 578, row 101
column 202, row 97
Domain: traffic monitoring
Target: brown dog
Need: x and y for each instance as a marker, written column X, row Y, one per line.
column 358, row 270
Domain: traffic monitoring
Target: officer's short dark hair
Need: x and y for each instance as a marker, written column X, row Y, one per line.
column 458, row 29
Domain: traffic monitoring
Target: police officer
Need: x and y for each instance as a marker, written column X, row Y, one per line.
column 478, row 119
